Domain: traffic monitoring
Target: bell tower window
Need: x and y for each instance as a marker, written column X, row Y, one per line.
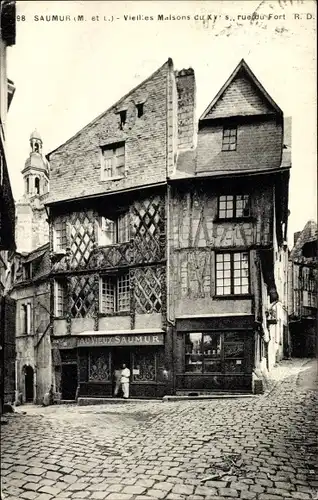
column 37, row 185
column 27, row 185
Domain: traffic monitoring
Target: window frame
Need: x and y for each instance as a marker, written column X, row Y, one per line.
column 235, row 208
column 114, row 281
column 59, row 235
column 63, row 284
column 114, row 168
column 26, row 318
column 226, row 145
column 232, row 276
column 222, row 357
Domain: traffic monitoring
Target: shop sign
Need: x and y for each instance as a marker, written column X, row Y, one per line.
column 121, row 340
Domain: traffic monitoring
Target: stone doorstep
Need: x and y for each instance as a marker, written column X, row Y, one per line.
column 83, row 401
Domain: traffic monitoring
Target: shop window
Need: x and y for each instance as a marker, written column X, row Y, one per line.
column 115, row 293
column 59, row 235
column 99, row 367
column 112, row 231
column 234, row 206
column 229, row 140
column 113, row 162
column 232, row 273
column 60, row 297
column 214, row 352
column 144, row 366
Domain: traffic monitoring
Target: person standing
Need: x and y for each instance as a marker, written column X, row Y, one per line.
column 117, row 377
column 125, row 376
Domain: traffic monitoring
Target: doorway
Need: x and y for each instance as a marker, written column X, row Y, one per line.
column 69, row 381
column 120, row 355
column 29, row 383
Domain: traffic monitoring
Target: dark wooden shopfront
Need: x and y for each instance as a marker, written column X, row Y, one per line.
column 99, row 356
column 214, row 354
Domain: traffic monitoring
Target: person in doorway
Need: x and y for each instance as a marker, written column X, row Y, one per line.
column 117, row 377
column 125, row 375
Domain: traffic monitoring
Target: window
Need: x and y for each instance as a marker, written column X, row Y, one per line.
column 59, row 235
column 234, row 206
column 60, row 298
column 26, row 319
column 144, row 365
column 27, row 270
column 229, row 140
column 112, row 231
column 37, row 185
column 114, row 294
column 232, row 273
column 123, row 118
column 113, row 162
column 140, row 109
column 214, row 352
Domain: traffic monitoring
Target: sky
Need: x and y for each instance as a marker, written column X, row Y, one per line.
column 68, row 72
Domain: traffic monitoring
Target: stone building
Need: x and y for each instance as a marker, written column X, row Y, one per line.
column 303, row 287
column 30, row 288
column 7, row 213
column 165, row 237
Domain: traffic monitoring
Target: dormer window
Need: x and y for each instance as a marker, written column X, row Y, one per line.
column 229, row 140
column 123, row 118
column 140, row 109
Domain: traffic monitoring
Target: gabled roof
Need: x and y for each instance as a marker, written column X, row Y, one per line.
column 242, row 68
column 308, row 234
column 116, row 105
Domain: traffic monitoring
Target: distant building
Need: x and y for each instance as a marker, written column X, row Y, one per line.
column 303, row 287
column 169, row 245
column 7, row 212
column 30, row 287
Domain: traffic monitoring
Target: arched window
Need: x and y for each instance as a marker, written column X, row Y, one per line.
column 37, row 185
column 36, row 147
column 27, row 185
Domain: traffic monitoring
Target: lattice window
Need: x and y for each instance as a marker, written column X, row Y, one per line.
column 113, row 164
column 232, row 273
column 59, row 234
column 107, row 295
column 82, row 296
column 115, row 293
column 229, row 139
column 60, row 294
column 81, row 237
column 148, row 290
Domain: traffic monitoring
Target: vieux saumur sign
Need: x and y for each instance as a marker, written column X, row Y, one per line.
column 108, row 340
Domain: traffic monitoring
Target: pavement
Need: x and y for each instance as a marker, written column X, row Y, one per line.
column 262, row 448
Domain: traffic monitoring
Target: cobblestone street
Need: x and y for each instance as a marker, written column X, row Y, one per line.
column 262, row 447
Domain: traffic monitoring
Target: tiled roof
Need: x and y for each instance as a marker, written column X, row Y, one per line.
column 308, row 234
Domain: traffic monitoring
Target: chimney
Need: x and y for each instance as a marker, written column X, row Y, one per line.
column 185, row 81
column 296, row 236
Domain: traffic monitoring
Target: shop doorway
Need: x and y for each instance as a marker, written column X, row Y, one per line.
column 69, row 381
column 29, row 384
column 120, row 356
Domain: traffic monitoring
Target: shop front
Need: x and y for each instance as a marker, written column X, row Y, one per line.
column 214, row 354
column 99, row 355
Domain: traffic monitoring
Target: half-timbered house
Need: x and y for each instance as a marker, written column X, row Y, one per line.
column 163, row 239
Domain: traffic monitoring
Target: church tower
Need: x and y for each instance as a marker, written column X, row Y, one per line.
column 32, row 229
